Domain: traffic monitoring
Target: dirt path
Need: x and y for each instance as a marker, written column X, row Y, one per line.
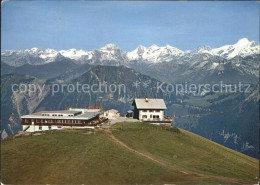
column 109, row 134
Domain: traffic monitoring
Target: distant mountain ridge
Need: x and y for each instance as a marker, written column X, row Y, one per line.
column 64, row 69
column 110, row 64
column 213, row 115
column 230, row 63
column 111, row 54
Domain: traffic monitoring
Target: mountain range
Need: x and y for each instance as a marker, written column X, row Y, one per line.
column 113, row 55
column 230, row 64
column 208, row 115
column 229, row 119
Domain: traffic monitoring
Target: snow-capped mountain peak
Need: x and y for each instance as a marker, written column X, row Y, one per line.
column 141, row 47
column 136, row 53
column 242, row 48
column 73, row 53
column 50, row 50
column 110, row 47
column 204, row 49
column 154, row 54
column 48, row 54
column 243, row 41
column 173, row 50
column 153, row 47
column 140, row 50
column 111, row 54
column 33, row 50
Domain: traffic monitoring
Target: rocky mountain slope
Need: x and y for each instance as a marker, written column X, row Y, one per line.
column 136, row 74
column 208, row 115
column 206, row 68
column 65, row 69
column 16, row 103
column 230, row 63
column 114, row 87
column 230, row 119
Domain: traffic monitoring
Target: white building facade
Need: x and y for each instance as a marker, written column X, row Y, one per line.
column 151, row 114
column 150, row 110
column 55, row 120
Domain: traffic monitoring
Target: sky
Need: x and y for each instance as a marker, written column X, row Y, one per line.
column 90, row 25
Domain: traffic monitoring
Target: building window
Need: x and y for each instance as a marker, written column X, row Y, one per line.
column 155, row 116
column 38, row 120
column 157, row 110
column 144, row 116
column 49, row 127
column 26, row 120
column 40, row 127
column 150, row 110
column 144, row 110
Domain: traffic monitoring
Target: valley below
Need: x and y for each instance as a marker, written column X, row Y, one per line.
column 228, row 118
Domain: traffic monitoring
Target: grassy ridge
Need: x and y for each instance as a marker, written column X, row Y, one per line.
column 92, row 157
column 76, row 158
column 188, row 151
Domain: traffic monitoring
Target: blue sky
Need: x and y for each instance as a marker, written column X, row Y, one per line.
column 90, row 25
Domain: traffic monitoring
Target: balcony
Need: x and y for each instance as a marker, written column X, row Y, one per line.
column 165, row 119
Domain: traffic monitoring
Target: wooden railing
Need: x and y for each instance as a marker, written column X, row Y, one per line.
column 157, row 119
